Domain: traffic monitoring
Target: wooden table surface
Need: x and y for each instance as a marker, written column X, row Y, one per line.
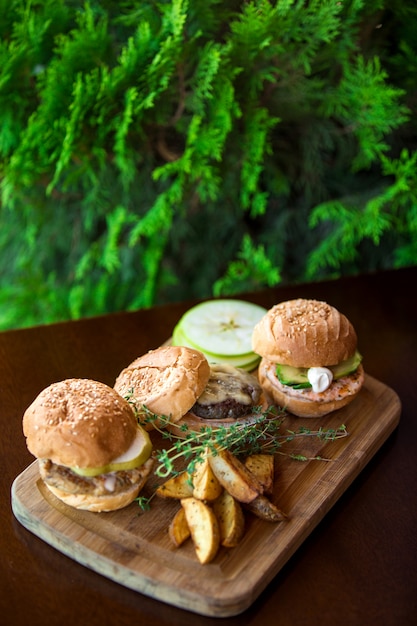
column 358, row 567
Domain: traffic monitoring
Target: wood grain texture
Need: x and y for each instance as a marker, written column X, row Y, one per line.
column 133, row 547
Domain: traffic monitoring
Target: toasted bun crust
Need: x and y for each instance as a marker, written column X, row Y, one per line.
column 167, row 380
column 310, row 404
column 79, row 423
column 304, row 333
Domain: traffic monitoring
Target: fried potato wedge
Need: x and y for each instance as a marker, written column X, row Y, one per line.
column 204, row 528
column 178, row 529
column 178, row 486
column 262, row 466
column 206, row 486
column 234, row 476
column 263, row 508
column 231, row 519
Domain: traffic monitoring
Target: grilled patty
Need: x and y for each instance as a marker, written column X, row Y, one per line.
column 64, row 478
column 229, row 393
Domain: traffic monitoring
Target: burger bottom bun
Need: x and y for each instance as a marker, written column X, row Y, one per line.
column 101, row 503
column 96, row 504
column 294, row 403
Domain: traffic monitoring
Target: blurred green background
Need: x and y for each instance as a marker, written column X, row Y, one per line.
column 158, row 151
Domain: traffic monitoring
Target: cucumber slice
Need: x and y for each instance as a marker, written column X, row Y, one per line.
column 294, row 376
column 222, row 327
column 297, row 377
column 346, row 367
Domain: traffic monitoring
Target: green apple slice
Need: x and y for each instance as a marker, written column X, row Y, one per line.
column 138, row 453
column 247, row 361
column 247, row 365
column 222, row 327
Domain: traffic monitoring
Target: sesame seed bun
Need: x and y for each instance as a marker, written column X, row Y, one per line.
column 306, row 334
column 167, row 380
column 79, row 425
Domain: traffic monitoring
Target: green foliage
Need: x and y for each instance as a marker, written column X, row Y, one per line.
column 264, row 434
column 357, row 221
column 364, row 100
column 252, row 268
column 152, row 152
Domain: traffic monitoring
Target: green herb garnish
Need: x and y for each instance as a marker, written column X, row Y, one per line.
column 263, row 434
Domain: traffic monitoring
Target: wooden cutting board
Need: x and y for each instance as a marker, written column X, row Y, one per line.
column 132, row 547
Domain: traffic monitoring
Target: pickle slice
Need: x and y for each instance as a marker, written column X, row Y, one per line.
column 138, row 453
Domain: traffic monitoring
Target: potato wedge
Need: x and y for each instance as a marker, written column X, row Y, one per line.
column 206, row 486
column 179, row 486
column 262, row 466
column 234, row 476
column 231, row 519
column 204, row 528
column 263, row 508
column 178, row 529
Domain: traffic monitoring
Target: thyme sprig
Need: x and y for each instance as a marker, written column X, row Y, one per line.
column 261, row 434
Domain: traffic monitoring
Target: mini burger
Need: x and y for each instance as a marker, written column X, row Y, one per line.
column 178, row 383
column 310, row 363
column 92, row 454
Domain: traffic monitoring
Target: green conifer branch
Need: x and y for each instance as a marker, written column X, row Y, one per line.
column 191, row 146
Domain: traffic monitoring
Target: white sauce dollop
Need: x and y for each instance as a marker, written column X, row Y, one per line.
column 320, row 378
column 110, row 482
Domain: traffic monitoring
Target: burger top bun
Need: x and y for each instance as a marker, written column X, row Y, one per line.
column 304, row 333
column 79, row 423
column 167, row 380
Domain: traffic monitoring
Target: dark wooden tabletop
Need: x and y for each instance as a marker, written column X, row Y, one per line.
column 358, row 567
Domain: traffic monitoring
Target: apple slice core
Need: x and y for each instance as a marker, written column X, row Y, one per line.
column 222, row 327
column 246, row 361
